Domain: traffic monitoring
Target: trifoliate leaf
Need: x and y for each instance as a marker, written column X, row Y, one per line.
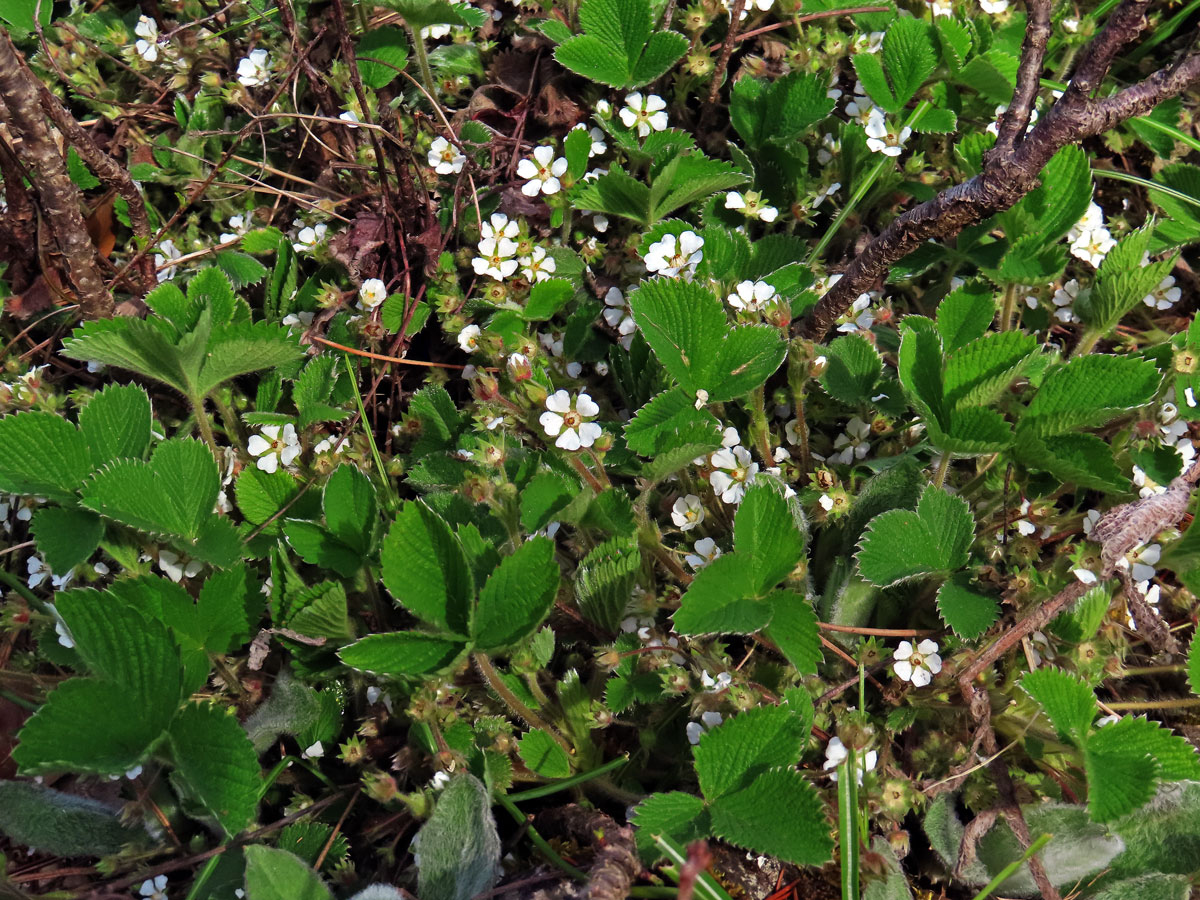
column 656, row 425
column 733, row 755
column 425, row 568
column 932, row 540
column 966, row 610
column 215, row 759
column 42, row 454
column 976, row 374
column 965, row 314
column 779, row 814
column 1122, row 280
column 517, row 596
column 543, row 755
column 619, row 46
column 778, row 110
column 853, row 367
column 909, row 58
column 402, row 653
column 458, row 847
column 1068, row 700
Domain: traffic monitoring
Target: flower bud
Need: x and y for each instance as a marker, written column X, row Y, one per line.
column 519, row 367
column 778, row 313
column 486, row 388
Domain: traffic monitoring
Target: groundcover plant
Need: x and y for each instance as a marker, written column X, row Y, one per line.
column 599, row 448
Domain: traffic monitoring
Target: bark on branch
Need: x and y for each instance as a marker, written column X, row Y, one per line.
column 1011, row 168
column 58, row 198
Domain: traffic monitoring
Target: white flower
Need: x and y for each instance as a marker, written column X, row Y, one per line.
column 315, row 751
column 537, row 266
column 1090, row 239
column 919, row 665
column 863, row 316
column 350, row 117
column 825, row 502
column 147, row 32
column 1143, row 562
column 940, row 7
column 495, row 258
column 599, row 145
column 825, row 193
column 1064, row 299
column 762, row 5
column 468, row 338
column 852, row 442
column 174, row 569
column 445, row 158
column 276, row 444
column 1147, row 486
column 860, row 106
column 836, row 753
column 618, row 317
column 752, row 296
column 751, row 205
column 499, row 226
column 882, row 139
column 543, row 172
column 309, row 237
column 706, row 550
column 713, row 685
column 688, row 512
column 1090, row 519
column 708, row 721
column 735, row 471
column 671, row 256
column 568, row 422
column 252, row 70
column 438, row 781
column 993, row 7
column 168, row 251
column 154, row 888
column 237, row 227
column 371, row 294
column 39, row 570
column 1085, row 576
column 648, row 113
column 1164, row 296
column 869, row 43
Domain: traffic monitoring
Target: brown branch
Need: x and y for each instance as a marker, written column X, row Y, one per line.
column 1010, row 173
column 735, row 22
column 58, row 198
column 1037, row 33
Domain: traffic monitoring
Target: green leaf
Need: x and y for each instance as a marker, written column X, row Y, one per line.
column 976, row 374
column 765, row 532
column 735, row 754
column 992, row 74
column 685, row 324
column 965, row 314
column 778, row 110
column 381, row 53
column 459, row 847
column 853, row 367
column 317, row 546
column 549, row 296
column 215, row 759
column 1068, row 700
column 50, row 821
column 317, row 611
column 242, row 270
column 1124, row 760
column 116, row 424
column 795, row 631
column 66, row 536
column 1193, row 666
column 316, row 392
column 661, row 423
column 688, row 177
column 933, row 540
column 1121, row 282
column 542, row 754
column 679, row 816
column 425, row 568
column 1081, row 459
column 350, row 510
column 967, row 611
column 1089, row 391
column 723, row 599
column 604, row 581
column 20, row 14
column 42, row 454
column 779, row 814
column 292, row 708
column 517, row 596
column 261, row 495
column 546, row 494
column 616, row 194
column 402, row 653
column 423, row 13
column 909, row 58
column 174, row 493
column 1174, row 753
column 244, row 347
column 955, row 40
column 138, row 345
column 619, row 46
column 278, row 875
column 1048, row 212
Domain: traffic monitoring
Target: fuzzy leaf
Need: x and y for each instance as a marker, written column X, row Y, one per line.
column 975, row 375
column 458, row 846
column 517, row 596
column 273, row 874
column 765, row 533
column 66, row 536
column 128, row 343
column 63, row 824
column 618, row 46
column 965, row 314
column 381, row 54
column 778, row 110
column 900, row 545
column 794, row 630
column 214, row 757
column 679, row 816
column 604, row 581
column 723, row 599
column 402, row 653
column 242, row 347
column 1089, row 391
column 779, row 814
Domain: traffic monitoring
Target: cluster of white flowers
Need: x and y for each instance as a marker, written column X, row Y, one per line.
column 1064, row 301
column 1090, row 239
column 254, row 70
column 916, row 664
column 543, row 172
column 497, row 249
column 675, row 256
column 444, row 157
column 568, row 421
column 882, row 138
column 647, row 112
column 274, row 445
column 1175, row 431
column 618, row 317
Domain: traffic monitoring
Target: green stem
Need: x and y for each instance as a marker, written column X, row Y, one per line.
column 418, row 45
column 563, row 784
column 863, row 186
column 848, row 825
column 205, row 874
column 758, row 425
column 513, row 702
column 204, row 426
column 1005, row 873
column 1087, row 343
column 539, row 841
column 393, row 500
column 1180, row 703
column 1008, row 308
column 798, row 374
column 30, row 597
column 939, row 477
column 229, row 419
column 1152, row 670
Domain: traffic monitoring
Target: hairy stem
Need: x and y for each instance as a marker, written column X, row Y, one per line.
column 513, row 702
